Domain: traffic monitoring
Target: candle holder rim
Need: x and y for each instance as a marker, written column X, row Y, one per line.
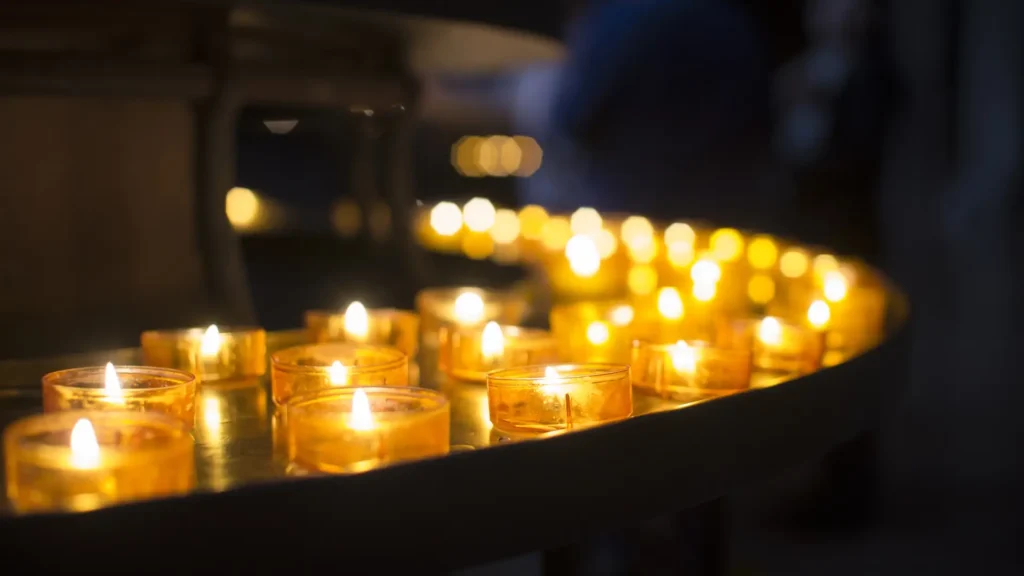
column 14, row 435
column 327, row 394
column 227, row 330
column 600, row 370
column 182, row 378
column 698, row 344
column 397, row 358
column 534, row 334
column 442, row 291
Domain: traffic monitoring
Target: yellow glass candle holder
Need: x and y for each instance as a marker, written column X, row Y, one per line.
column 775, row 345
column 356, row 429
column 120, row 388
column 466, row 307
column 682, row 370
column 398, row 329
column 558, row 397
column 78, row 461
column 209, row 353
column 469, row 353
column 305, row 369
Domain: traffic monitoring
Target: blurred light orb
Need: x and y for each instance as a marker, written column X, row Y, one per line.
column 762, row 252
column 585, row 221
column 506, row 226
column 242, row 207
column 794, row 263
column 680, row 233
column 446, row 218
column 532, row 219
column 584, row 259
column 478, row 214
column 726, row 244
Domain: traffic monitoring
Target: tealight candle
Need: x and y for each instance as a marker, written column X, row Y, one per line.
column 359, row 325
column 133, row 388
column 469, row 353
column 466, row 307
column 77, row 461
column 776, row 346
column 355, row 429
column 305, row 369
column 564, row 397
column 210, row 353
column 681, row 370
column 594, row 331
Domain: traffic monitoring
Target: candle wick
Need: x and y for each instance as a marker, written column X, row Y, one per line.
column 568, row 412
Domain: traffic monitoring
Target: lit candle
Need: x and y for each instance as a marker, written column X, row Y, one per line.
column 534, row 399
column 777, row 347
column 136, row 388
column 685, row 370
column 347, row 430
column 466, row 307
column 594, row 331
column 357, row 324
column 211, row 353
column 77, row 461
column 305, row 369
column 469, row 353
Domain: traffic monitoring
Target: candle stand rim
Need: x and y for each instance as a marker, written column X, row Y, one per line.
column 53, row 379
column 398, row 359
column 57, row 456
column 693, row 343
column 533, row 334
column 228, row 330
column 327, row 394
column 601, row 370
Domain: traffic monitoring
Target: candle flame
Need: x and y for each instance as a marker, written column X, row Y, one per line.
column 835, row 286
column 670, row 305
column 85, row 449
column 770, row 331
column 622, row 315
column 492, row 342
column 338, row 374
column 818, row 314
column 362, row 417
column 111, row 383
column 210, row 344
column 597, row 333
column 469, row 308
column 684, row 358
column 551, row 376
column 357, row 321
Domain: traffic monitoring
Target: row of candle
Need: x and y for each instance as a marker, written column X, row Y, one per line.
column 336, row 425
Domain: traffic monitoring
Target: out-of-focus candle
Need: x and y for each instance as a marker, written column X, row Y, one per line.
column 210, row 353
column 469, row 353
column 379, row 326
column 466, row 307
column 686, row 369
column 77, row 461
column 136, row 388
column 594, row 331
column 541, row 398
column 777, row 346
column 306, row 369
column 355, row 429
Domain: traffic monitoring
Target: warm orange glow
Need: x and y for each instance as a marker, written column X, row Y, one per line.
column 679, row 233
column 680, row 254
column 818, row 314
column 726, row 244
column 469, row 308
column 210, row 344
column 705, row 271
column 793, row 263
column 584, row 258
column 761, row 289
column 506, row 226
column 556, row 233
column 446, row 219
column 585, row 221
column 606, row 243
column 621, row 315
column 762, row 252
column 835, row 286
column 243, row 207
column 85, row 449
column 597, row 333
column 823, row 264
column 670, row 304
column 338, row 374
column 111, row 383
column 642, row 280
column 532, row 219
column 636, row 229
column 357, row 322
column 684, row 358
column 361, row 417
column 770, row 331
column 492, row 342
column 705, row 291
column 478, row 214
